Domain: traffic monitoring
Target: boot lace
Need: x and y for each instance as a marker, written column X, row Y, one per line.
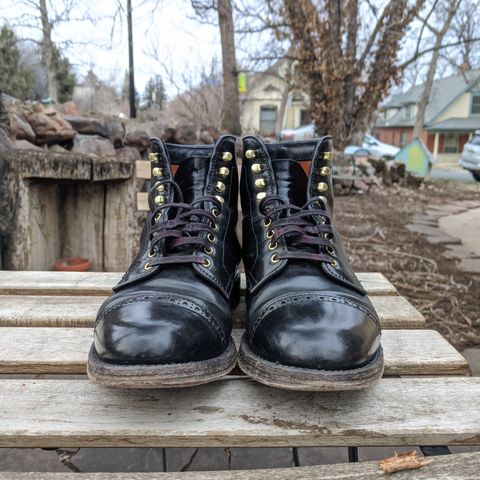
column 181, row 231
column 306, row 230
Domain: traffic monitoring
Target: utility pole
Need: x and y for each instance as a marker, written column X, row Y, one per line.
column 131, row 76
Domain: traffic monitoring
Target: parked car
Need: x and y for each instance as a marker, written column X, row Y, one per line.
column 375, row 147
column 470, row 158
column 378, row 148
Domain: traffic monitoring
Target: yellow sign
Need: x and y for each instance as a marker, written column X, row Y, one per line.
column 242, row 82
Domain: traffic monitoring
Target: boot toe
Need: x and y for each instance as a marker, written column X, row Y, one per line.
column 155, row 330
column 317, row 331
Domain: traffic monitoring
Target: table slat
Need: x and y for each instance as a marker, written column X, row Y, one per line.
column 239, row 413
column 65, row 350
column 80, row 311
column 101, row 283
column 460, row 466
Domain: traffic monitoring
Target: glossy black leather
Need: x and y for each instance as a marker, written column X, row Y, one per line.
column 302, row 313
column 178, row 313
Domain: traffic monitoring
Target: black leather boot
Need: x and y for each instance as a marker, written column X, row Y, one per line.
column 310, row 324
column 168, row 322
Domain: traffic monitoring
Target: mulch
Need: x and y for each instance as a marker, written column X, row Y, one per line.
column 373, row 228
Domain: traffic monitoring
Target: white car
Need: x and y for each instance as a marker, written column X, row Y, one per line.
column 375, row 147
column 470, row 159
column 378, row 148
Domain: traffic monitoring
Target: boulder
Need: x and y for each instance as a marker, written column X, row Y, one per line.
column 87, row 125
column 26, row 145
column 49, row 125
column 5, row 141
column 19, row 128
column 128, row 153
column 55, row 148
column 138, row 139
column 115, row 131
column 186, row 135
column 69, row 108
column 93, row 144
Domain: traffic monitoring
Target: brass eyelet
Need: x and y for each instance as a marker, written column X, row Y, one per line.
column 325, row 171
column 211, row 238
column 208, row 250
column 322, row 187
column 261, row 195
column 157, row 172
column 226, row 156
column 214, row 226
column 151, row 254
column 274, row 258
column 147, row 266
column 272, row 246
column 266, row 223
column 160, row 188
column 157, row 217
column 153, row 157
column 223, row 172
column 334, row 264
column 270, row 233
column 220, row 199
column 207, row 263
column 215, row 212
column 260, row 183
column 256, row 168
column 327, row 236
column 249, row 154
column 330, row 250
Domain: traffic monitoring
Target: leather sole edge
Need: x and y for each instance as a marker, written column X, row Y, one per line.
column 173, row 375
column 305, row 379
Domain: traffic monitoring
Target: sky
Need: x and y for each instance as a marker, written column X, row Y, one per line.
column 180, row 44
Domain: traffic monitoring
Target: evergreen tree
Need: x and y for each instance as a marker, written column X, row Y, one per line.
column 65, row 77
column 15, row 79
column 154, row 94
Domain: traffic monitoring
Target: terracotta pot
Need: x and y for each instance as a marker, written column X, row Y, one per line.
column 72, row 265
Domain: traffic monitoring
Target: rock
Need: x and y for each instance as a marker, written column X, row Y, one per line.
column 93, row 144
column 19, row 128
column 26, row 145
column 87, row 125
column 129, row 153
column 5, row 141
column 186, row 135
column 412, row 180
column 115, row 131
column 49, row 125
column 55, row 148
column 138, row 139
column 69, row 108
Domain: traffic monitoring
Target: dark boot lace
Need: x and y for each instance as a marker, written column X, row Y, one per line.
column 304, row 237
column 181, row 231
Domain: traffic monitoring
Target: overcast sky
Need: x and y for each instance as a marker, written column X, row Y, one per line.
column 181, row 43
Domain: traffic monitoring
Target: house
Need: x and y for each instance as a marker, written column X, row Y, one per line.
column 261, row 104
column 452, row 115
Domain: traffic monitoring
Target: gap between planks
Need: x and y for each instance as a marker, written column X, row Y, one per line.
column 239, row 413
column 65, row 350
column 101, row 283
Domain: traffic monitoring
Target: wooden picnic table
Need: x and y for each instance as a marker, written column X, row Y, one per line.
column 426, row 397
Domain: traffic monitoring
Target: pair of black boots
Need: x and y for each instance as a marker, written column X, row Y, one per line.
column 310, row 324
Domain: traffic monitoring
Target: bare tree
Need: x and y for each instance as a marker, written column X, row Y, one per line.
column 446, row 11
column 47, row 49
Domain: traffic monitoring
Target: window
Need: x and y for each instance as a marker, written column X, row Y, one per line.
column 403, row 138
column 450, row 143
column 475, row 107
column 268, row 120
column 410, row 110
column 305, row 117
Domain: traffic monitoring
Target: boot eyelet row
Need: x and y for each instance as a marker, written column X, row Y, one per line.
column 208, row 250
column 267, row 223
column 214, row 226
column 215, row 212
column 207, row 263
column 211, row 238
column 270, row 233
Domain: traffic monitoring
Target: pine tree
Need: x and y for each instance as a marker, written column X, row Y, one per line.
column 65, row 77
column 154, row 94
column 15, row 79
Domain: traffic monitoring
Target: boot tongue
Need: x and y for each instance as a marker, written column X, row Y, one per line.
column 291, row 180
column 191, row 177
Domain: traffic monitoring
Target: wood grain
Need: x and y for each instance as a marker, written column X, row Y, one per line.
column 142, row 202
column 65, row 350
column 239, row 413
column 143, row 169
column 101, row 283
column 81, row 311
column 461, row 466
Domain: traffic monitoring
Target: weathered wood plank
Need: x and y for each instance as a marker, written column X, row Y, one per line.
column 143, row 169
column 80, row 311
column 101, row 283
column 461, row 466
column 239, row 413
column 65, row 350
column 142, row 201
